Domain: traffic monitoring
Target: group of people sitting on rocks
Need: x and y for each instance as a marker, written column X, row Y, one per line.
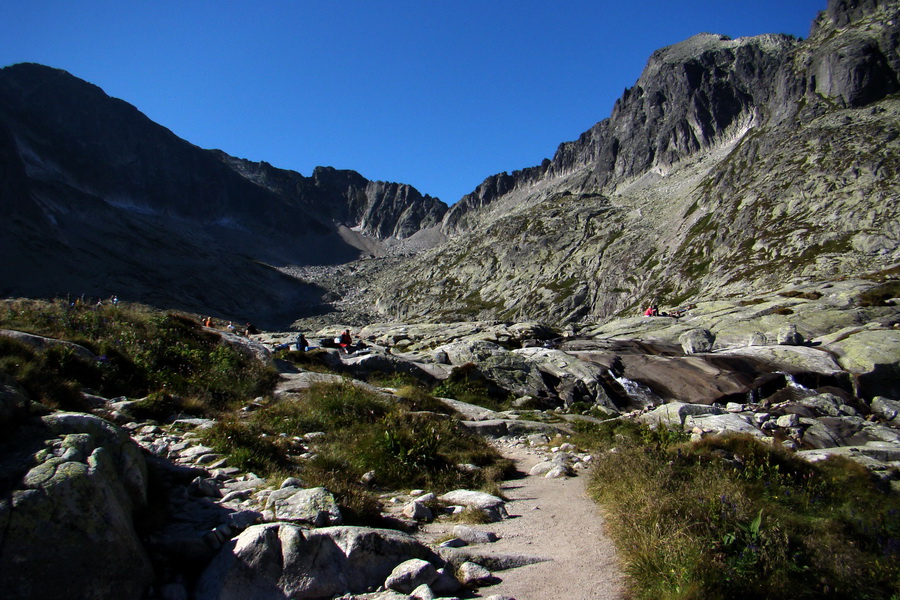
column 344, row 342
column 653, row 311
column 246, row 330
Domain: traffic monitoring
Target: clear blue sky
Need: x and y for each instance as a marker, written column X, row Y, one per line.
column 437, row 94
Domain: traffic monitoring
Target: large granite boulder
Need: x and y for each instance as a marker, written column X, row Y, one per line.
column 873, row 356
column 514, row 374
column 67, row 523
column 724, row 423
column 571, row 372
column 387, row 364
column 789, row 359
column 469, row 351
column 281, row 560
column 674, row 414
column 700, row 379
column 309, row 506
column 697, row 340
column 493, row 507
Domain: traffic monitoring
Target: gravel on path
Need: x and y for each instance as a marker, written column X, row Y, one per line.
column 553, row 519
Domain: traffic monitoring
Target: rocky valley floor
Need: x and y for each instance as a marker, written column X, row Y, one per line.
column 813, row 369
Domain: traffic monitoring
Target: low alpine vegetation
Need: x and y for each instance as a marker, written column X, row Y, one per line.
column 731, row 517
column 333, row 435
column 137, row 351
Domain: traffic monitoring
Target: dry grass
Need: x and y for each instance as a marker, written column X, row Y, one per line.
column 730, row 517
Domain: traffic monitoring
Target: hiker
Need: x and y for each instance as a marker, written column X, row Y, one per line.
column 652, row 311
column 207, row 322
column 250, row 328
column 345, row 341
column 302, row 344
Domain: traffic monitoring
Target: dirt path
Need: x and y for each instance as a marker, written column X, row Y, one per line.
column 554, row 519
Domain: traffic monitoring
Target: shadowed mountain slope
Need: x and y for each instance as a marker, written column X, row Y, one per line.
column 98, row 199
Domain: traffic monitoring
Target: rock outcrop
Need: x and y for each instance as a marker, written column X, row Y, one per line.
column 281, row 560
column 74, row 486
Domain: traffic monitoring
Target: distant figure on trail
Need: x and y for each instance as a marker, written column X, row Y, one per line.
column 230, row 326
column 250, row 328
column 345, row 341
column 207, row 322
column 302, row 344
column 652, row 311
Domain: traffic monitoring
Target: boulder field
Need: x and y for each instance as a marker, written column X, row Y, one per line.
column 813, row 368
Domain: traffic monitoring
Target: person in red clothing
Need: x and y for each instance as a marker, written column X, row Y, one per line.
column 346, row 341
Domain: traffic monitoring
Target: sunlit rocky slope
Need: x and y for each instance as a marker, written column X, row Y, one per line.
column 730, row 166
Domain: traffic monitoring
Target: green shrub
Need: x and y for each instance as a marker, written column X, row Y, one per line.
column 415, row 398
column 249, row 446
column 46, row 377
column 157, row 406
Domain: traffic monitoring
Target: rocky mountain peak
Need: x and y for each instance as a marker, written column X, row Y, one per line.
column 841, row 13
column 730, row 164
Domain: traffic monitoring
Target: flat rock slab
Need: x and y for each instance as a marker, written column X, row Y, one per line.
column 790, row 359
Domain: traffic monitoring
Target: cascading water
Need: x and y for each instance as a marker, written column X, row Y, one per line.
column 638, row 393
column 796, row 389
column 791, row 382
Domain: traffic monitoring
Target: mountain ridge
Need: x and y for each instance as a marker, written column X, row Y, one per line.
column 105, row 201
column 730, row 165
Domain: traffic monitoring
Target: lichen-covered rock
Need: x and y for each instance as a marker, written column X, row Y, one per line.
column 673, row 414
column 69, row 522
column 410, row 574
column 887, row 409
column 310, row 506
column 874, row 356
column 514, row 374
column 492, row 506
column 728, row 422
column 697, row 340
